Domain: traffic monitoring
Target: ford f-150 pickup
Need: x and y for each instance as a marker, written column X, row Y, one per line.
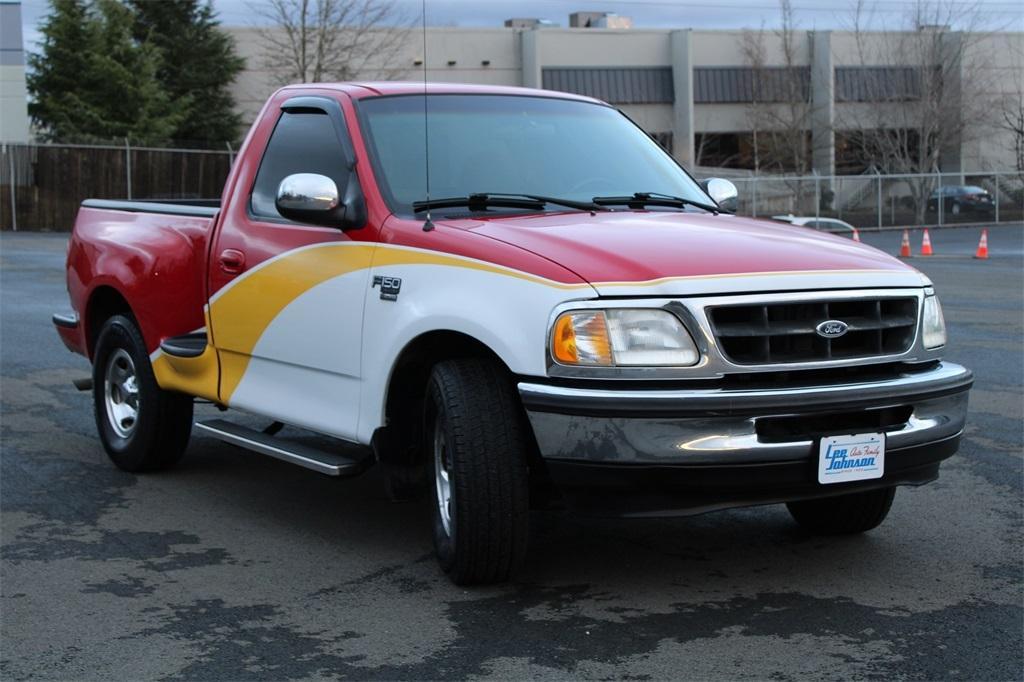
column 509, row 299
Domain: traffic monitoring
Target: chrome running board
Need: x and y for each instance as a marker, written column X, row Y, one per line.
column 327, row 463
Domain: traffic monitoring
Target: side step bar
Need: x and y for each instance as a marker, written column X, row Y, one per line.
column 328, row 463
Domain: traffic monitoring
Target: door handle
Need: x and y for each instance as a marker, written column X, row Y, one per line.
column 232, row 261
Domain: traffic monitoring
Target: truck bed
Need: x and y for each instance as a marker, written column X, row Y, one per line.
column 150, row 256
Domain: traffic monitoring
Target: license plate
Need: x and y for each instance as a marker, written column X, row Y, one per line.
column 851, row 458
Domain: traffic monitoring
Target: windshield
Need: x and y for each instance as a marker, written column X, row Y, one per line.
column 514, row 144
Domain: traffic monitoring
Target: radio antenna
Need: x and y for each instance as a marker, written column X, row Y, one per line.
column 429, row 224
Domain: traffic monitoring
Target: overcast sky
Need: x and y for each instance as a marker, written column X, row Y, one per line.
column 810, row 14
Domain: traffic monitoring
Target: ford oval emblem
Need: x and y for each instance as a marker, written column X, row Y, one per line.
column 832, row 329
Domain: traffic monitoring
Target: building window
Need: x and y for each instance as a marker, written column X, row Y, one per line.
column 744, row 84
column 877, row 84
column 628, row 85
column 722, row 150
column 858, row 151
column 767, row 151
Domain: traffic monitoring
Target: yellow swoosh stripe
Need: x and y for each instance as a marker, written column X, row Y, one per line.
column 246, row 307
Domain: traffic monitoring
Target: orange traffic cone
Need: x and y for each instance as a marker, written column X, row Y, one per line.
column 856, row 235
column 982, row 251
column 905, row 245
column 926, row 244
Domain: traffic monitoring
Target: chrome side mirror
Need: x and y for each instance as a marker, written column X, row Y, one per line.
column 309, row 198
column 723, row 192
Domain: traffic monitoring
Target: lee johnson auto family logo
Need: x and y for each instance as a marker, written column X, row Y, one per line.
column 855, row 457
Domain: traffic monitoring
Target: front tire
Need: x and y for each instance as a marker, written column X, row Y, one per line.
column 843, row 514
column 141, row 426
column 476, row 440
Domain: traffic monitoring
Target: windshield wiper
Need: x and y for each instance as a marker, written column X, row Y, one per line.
column 483, row 201
column 644, row 199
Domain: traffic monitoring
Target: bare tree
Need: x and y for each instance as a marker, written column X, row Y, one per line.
column 1012, row 109
column 308, row 41
column 1013, row 121
column 907, row 118
column 780, row 108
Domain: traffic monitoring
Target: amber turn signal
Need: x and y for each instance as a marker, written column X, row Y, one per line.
column 581, row 338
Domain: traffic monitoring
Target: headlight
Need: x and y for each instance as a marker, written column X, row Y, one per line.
column 933, row 325
column 622, row 337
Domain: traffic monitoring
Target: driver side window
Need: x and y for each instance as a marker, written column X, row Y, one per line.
column 303, row 142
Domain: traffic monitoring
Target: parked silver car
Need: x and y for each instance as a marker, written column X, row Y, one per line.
column 833, row 225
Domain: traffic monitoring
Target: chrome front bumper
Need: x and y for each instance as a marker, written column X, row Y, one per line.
column 719, row 426
column 687, row 451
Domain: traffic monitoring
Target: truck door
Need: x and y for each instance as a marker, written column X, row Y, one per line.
column 286, row 300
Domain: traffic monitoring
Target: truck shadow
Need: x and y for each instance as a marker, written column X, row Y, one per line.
column 340, row 517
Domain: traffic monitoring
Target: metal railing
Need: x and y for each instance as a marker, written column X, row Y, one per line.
column 881, row 201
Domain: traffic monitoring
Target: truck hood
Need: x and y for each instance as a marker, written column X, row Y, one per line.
column 654, row 253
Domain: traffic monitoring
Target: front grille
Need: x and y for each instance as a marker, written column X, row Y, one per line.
column 773, row 333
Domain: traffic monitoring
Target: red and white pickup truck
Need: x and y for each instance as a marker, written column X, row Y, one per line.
column 561, row 315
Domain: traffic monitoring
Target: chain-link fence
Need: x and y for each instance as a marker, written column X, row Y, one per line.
column 42, row 185
column 879, row 201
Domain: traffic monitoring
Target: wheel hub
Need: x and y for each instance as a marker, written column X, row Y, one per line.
column 442, row 476
column 121, row 393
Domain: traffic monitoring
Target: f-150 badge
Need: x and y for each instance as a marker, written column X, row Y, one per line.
column 389, row 287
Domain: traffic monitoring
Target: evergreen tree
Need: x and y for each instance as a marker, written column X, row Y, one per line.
column 199, row 65
column 94, row 82
column 53, row 76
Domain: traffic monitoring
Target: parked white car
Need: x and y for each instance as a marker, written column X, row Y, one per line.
column 823, row 224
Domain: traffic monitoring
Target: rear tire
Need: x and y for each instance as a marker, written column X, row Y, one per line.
column 476, row 442
column 141, row 426
column 843, row 514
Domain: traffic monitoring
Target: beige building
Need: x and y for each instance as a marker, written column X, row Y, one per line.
column 13, row 95
column 705, row 95
column 702, row 95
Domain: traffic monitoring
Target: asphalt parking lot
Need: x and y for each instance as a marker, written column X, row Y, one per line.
column 235, row 566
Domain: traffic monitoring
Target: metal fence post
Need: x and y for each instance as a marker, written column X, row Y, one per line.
column 998, row 178
column 817, row 194
column 838, row 195
column 128, row 167
column 9, row 153
column 753, row 195
column 231, row 155
column 879, row 175
column 940, row 201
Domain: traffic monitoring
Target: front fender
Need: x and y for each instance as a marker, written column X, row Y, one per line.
column 506, row 311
